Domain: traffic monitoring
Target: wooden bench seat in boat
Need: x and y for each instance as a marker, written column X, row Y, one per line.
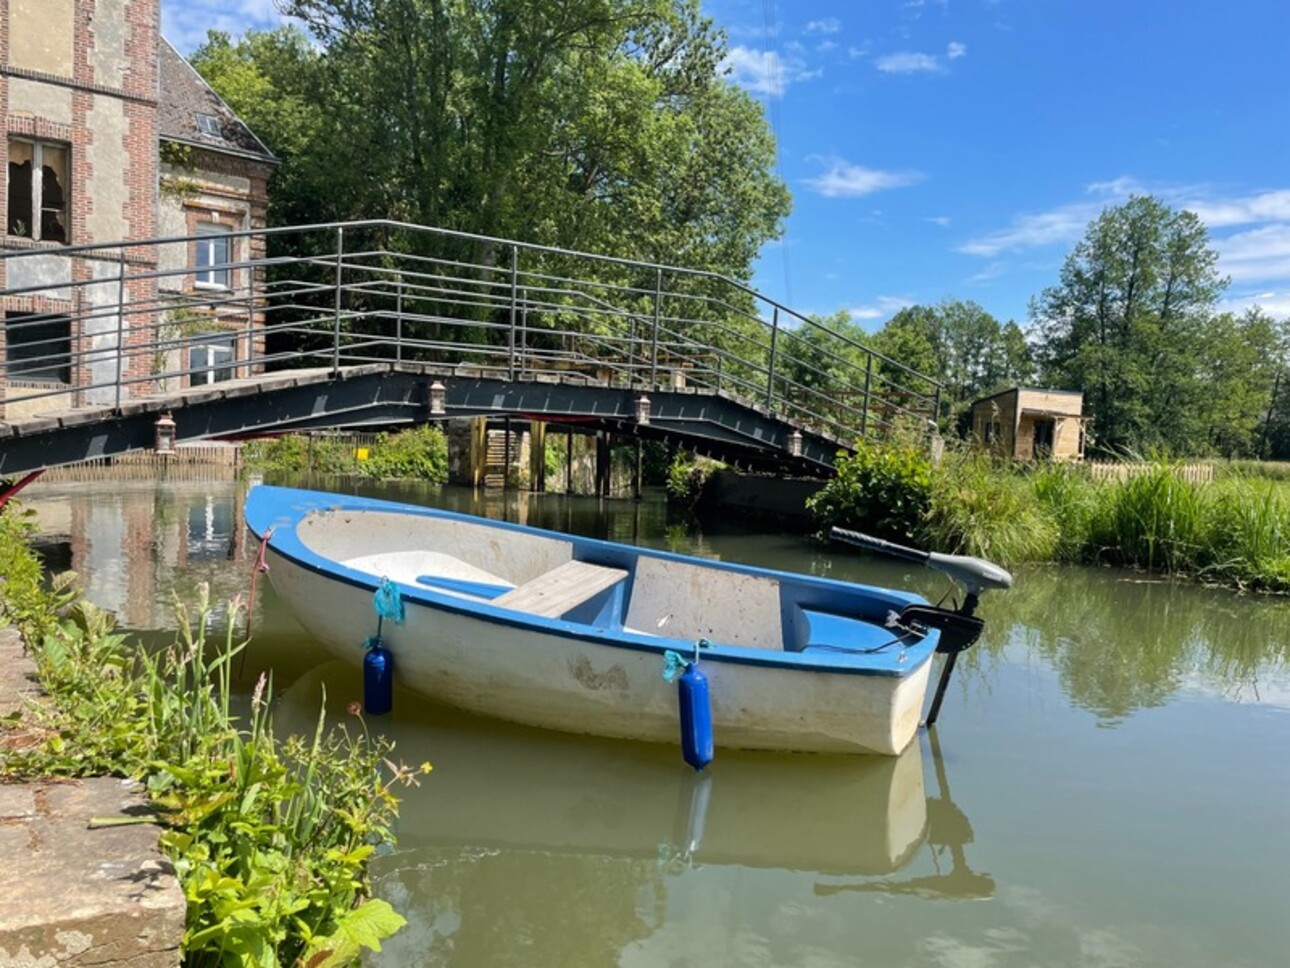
column 561, row 589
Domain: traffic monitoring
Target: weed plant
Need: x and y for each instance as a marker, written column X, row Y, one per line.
column 270, row 838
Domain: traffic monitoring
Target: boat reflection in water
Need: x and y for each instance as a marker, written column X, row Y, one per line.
column 539, row 848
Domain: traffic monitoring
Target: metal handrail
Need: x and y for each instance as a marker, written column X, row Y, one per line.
column 356, row 298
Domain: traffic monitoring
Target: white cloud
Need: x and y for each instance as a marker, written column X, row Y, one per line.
column 845, row 180
column 1257, row 255
column 1264, row 207
column 1275, row 303
column 1034, row 229
column 881, row 308
column 908, row 62
column 828, row 25
column 942, row 220
column 955, row 50
column 1257, row 252
column 856, row 53
column 764, row 71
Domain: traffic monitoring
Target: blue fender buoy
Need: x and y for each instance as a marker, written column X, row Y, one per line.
column 378, row 679
column 696, row 717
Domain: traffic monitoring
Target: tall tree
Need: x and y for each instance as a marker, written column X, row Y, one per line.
column 602, row 125
column 1127, row 324
column 960, row 345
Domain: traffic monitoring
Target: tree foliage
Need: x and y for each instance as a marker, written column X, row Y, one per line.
column 961, row 346
column 598, row 125
column 1129, row 324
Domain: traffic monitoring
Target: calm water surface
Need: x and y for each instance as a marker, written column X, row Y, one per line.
column 1108, row 785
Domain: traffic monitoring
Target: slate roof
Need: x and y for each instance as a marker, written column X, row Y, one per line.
column 190, row 112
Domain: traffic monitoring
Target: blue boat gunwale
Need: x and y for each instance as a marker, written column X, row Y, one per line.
column 281, row 508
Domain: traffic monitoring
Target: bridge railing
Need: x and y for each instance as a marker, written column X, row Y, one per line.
column 96, row 325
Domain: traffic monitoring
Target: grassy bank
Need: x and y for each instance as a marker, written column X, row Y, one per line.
column 270, row 836
column 1234, row 531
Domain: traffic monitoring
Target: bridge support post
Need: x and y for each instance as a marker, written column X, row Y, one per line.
column 602, row 464
column 506, row 454
column 568, row 461
column 478, row 450
column 537, row 456
column 637, row 476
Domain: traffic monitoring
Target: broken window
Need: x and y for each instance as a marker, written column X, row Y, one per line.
column 38, row 347
column 38, row 205
column 214, row 253
column 209, row 124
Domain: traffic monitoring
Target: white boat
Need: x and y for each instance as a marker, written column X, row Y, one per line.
column 572, row 633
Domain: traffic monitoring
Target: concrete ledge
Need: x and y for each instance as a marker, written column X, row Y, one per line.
column 69, row 895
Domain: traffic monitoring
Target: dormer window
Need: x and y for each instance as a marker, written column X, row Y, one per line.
column 209, row 124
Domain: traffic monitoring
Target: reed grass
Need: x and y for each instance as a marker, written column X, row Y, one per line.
column 1234, row 530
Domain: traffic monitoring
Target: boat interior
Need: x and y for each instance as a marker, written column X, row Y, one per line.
column 609, row 588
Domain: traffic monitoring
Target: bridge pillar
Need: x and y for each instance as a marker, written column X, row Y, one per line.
column 602, row 464
column 478, row 450
column 537, row 456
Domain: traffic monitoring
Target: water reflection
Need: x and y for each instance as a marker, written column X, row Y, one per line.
column 138, row 544
column 530, row 847
column 1121, row 643
column 948, row 833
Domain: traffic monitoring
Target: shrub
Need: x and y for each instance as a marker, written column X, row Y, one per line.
column 688, row 476
column 882, row 489
column 420, row 453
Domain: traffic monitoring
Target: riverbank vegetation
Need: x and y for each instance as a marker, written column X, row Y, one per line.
column 1233, row 531
column 270, row 837
column 418, row 453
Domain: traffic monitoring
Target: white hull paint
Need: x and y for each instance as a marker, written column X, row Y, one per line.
column 585, row 685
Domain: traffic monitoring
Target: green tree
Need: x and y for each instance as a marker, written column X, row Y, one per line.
column 960, row 345
column 1238, row 369
column 1127, row 325
column 601, row 125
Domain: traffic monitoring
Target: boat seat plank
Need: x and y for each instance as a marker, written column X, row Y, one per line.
column 557, row 591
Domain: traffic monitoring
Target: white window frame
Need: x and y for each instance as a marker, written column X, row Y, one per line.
column 220, row 364
column 38, row 187
column 210, row 271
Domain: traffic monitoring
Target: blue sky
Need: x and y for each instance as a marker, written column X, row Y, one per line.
column 958, row 148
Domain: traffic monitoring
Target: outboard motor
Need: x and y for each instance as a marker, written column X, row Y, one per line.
column 960, row 627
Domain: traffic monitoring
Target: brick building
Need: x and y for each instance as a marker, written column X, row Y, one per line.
column 93, row 99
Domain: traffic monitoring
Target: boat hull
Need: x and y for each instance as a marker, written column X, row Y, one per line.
column 584, row 684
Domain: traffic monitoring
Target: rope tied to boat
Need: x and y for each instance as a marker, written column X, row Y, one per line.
column 675, row 664
column 260, row 565
column 388, row 603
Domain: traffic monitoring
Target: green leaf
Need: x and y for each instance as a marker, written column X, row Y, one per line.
column 366, row 926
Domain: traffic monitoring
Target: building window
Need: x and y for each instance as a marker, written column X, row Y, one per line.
column 38, row 205
column 214, row 253
column 209, row 124
column 211, row 359
column 38, row 347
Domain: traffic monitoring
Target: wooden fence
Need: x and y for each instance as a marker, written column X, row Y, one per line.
column 1108, row 470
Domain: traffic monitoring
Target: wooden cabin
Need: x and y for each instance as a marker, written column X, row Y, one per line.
column 1031, row 424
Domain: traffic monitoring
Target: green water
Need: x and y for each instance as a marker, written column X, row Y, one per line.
column 1108, row 785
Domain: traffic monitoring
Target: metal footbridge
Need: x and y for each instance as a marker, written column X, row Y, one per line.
column 381, row 324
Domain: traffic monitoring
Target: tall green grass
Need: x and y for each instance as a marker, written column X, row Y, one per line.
column 1234, row 530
